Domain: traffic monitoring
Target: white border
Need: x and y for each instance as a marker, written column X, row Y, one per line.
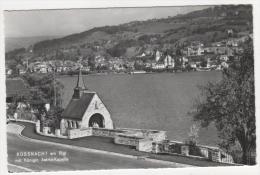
column 66, row 4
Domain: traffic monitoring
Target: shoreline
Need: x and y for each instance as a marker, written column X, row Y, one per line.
column 145, row 73
column 113, row 73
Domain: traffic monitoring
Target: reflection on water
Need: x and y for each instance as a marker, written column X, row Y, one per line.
column 155, row 101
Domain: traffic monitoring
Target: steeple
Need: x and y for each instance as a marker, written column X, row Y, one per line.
column 80, row 87
column 80, row 81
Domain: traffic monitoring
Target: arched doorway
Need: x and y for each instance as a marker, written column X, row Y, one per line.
column 96, row 120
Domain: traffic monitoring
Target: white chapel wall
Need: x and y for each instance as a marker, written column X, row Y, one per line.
column 96, row 106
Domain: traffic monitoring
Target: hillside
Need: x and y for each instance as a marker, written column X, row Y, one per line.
column 131, row 39
column 12, row 43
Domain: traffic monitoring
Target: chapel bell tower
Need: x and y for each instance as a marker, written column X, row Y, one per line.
column 80, row 87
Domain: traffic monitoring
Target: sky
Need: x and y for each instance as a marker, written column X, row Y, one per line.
column 64, row 22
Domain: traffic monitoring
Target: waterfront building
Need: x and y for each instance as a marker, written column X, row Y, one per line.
column 169, row 61
column 195, row 51
column 157, row 55
column 185, row 61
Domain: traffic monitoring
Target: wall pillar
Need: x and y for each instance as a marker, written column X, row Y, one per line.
column 38, row 126
column 57, row 132
column 185, row 150
column 79, row 124
column 75, row 124
column 63, row 127
column 215, row 156
column 45, row 130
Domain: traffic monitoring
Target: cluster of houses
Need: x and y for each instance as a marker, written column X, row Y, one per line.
column 57, row 66
column 116, row 64
column 197, row 56
column 195, row 62
column 113, row 64
column 49, row 67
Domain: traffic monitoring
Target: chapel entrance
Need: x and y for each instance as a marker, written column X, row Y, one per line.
column 96, row 121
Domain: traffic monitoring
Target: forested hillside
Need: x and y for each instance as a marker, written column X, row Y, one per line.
column 131, row 39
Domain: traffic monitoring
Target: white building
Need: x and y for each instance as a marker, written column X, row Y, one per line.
column 169, row 61
column 185, row 61
column 158, row 55
column 159, row 66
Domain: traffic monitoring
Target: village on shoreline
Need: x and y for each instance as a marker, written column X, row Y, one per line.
column 195, row 57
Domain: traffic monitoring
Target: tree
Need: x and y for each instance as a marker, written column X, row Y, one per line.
column 230, row 105
column 42, row 91
column 203, row 63
column 52, row 117
column 178, row 51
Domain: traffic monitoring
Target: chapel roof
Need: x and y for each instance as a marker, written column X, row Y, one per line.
column 77, row 107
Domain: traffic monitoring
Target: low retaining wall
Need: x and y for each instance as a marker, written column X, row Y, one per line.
column 106, row 132
column 126, row 140
column 197, row 151
column 77, row 133
column 143, row 140
column 155, row 135
column 145, row 145
column 140, row 144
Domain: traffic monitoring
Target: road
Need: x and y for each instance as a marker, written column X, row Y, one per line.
column 73, row 160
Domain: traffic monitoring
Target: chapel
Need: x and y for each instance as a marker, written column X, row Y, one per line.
column 84, row 110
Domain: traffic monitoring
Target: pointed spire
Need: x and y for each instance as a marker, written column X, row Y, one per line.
column 80, row 81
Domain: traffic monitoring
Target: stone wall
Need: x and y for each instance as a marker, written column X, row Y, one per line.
column 56, row 134
column 157, row 147
column 77, row 133
column 226, row 158
column 46, row 130
column 145, row 145
column 220, row 156
column 155, row 135
column 199, row 151
column 105, row 132
column 214, row 155
column 204, row 152
column 126, row 140
column 144, row 140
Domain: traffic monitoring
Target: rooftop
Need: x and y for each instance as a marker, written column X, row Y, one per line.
column 77, row 107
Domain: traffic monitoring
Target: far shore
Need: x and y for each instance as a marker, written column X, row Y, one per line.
column 123, row 73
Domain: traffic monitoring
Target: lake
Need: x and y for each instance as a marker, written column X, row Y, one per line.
column 151, row 101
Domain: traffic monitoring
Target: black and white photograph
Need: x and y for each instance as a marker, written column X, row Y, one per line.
column 146, row 87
